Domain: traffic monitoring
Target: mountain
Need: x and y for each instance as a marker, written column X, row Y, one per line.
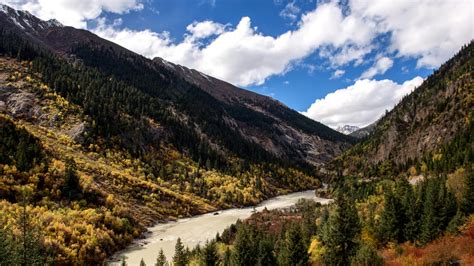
column 276, row 130
column 363, row 132
column 347, row 129
column 404, row 195
column 430, row 130
column 101, row 140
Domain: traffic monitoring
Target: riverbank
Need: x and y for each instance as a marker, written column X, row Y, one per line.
column 197, row 229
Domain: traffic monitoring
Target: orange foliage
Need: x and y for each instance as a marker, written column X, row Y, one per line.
column 443, row 251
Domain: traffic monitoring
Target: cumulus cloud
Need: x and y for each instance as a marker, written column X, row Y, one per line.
column 361, row 103
column 429, row 30
column 73, row 13
column 380, row 66
column 204, row 29
column 241, row 54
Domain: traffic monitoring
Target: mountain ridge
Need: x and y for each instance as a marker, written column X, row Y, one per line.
column 78, row 45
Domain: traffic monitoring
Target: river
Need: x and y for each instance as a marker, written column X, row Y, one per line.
column 197, row 229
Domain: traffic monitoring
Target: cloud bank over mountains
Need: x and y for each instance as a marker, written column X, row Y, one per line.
column 360, row 104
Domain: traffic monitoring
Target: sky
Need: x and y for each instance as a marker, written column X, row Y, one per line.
column 338, row 62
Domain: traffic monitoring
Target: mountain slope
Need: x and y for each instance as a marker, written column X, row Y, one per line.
column 254, row 119
column 363, row 132
column 120, row 142
column 432, row 126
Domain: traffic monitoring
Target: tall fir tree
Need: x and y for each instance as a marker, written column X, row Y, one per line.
column 392, row 219
column 180, row 256
column 209, row 254
column 467, row 205
column 161, row 260
column 244, row 247
column 412, row 214
column 340, row 236
column 293, row 250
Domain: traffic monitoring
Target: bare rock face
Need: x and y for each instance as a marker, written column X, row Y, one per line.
column 77, row 132
column 20, row 104
column 3, row 107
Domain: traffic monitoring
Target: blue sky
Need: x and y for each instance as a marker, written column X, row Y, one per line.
column 297, row 88
column 338, row 62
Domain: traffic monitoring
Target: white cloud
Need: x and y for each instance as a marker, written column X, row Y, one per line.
column 380, row 66
column 431, row 30
column 290, row 11
column 361, row 103
column 242, row 55
column 200, row 30
column 338, row 73
column 73, row 13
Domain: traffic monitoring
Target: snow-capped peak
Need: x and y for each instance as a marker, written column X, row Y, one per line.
column 25, row 20
column 347, row 129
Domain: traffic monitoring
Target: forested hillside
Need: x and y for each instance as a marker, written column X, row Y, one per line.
column 99, row 142
column 403, row 196
column 429, row 131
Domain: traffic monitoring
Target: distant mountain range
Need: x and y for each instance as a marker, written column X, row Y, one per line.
column 347, row 129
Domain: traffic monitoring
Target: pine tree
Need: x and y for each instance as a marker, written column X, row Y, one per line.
column 244, row 250
column 294, row 250
column 430, row 220
column 29, row 242
column 391, row 223
column 467, row 205
column 71, row 180
column 7, row 248
column 142, row 262
column 180, row 256
column 340, row 234
column 265, row 252
column 161, row 260
column 209, row 253
column 227, row 258
column 412, row 214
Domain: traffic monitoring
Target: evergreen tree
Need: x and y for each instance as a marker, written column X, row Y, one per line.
column 7, row 248
column 412, row 214
column 71, row 180
column 244, row 250
column 294, row 250
column 123, row 262
column 142, row 262
column 227, row 261
column 391, row 222
column 340, row 236
column 456, row 222
column 467, row 205
column 367, row 255
column 29, row 242
column 430, row 220
column 180, row 256
column 265, row 252
column 161, row 260
column 209, row 254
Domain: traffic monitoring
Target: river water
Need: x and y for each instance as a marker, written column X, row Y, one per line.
column 197, row 229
